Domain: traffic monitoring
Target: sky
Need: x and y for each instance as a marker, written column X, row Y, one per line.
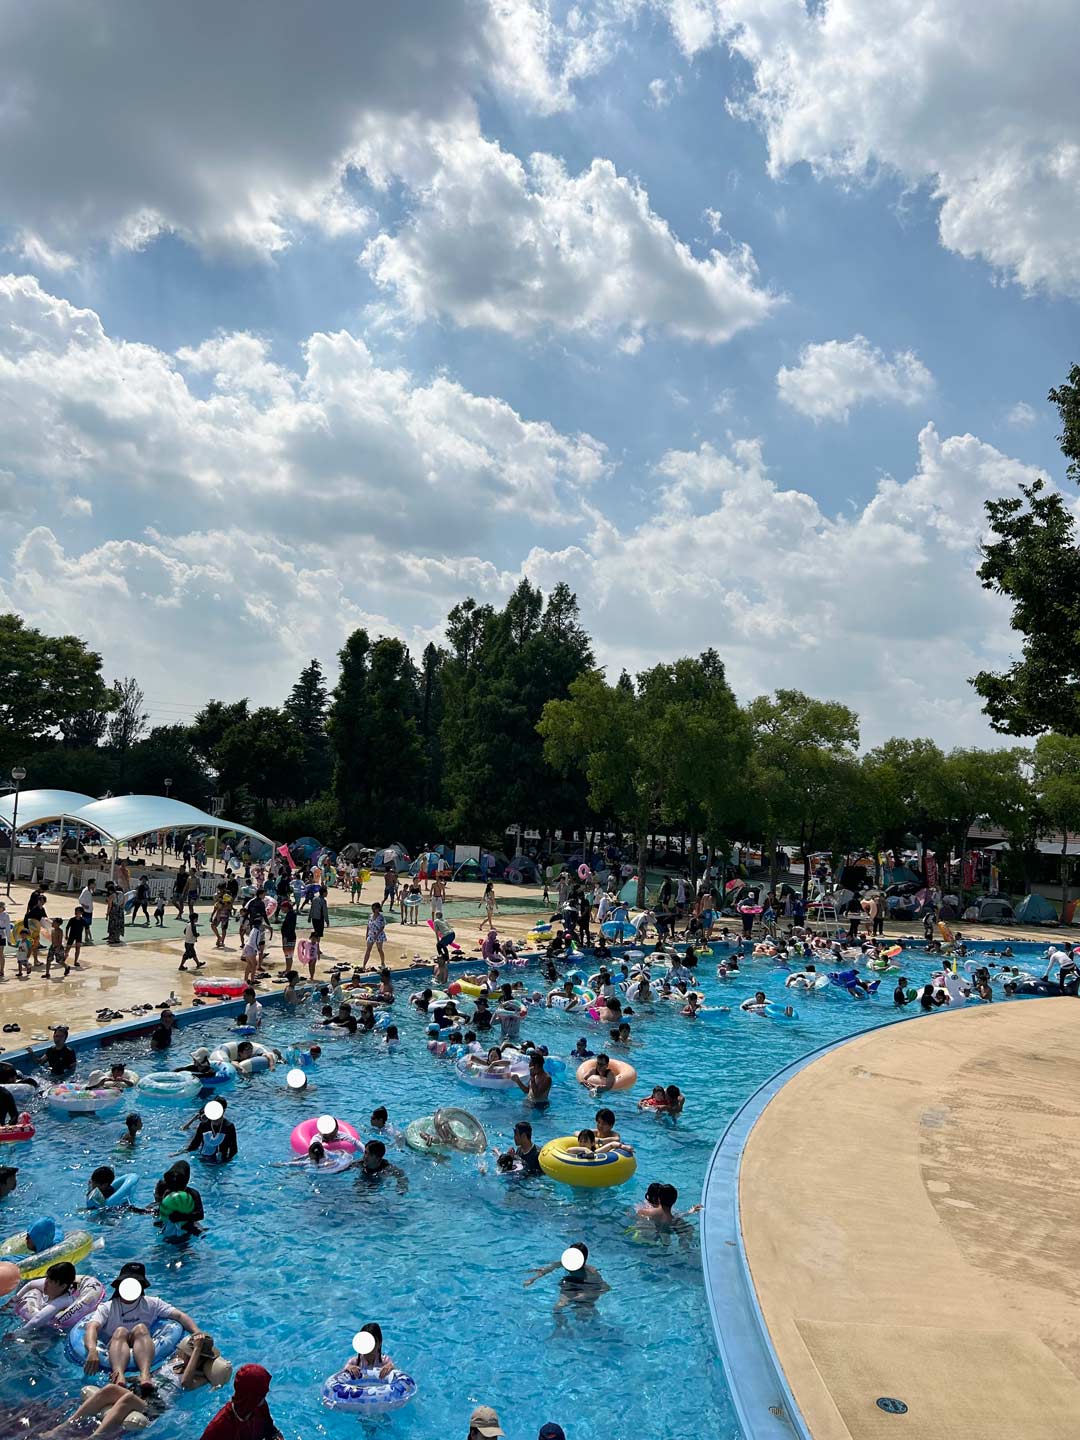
column 730, row 313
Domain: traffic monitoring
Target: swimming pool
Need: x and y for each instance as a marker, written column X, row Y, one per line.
column 293, row 1263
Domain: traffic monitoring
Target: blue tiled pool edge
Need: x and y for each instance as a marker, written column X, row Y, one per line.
column 763, row 1401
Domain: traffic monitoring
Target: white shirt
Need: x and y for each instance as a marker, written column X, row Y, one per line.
column 5, row 926
column 112, row 1314
column 253, row 1013
column 86, row 899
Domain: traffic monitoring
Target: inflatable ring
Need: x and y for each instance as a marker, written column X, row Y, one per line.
column 610, row 1167
column 223, row 988
column 33, row 1264
column 482, row 1079
column 470, row 988
column 226, row 1054
column 778, row 1013
column 584, row 873
column 122, row 1195
column 20, row 1090
column 86, row 1297
column 625, row 1075
column 368, row 1394
column 80, row 1100
column 893, row 951
column 308, row 1130
column 169, row 1085
column 467, row 1131
column 166, row 1335
column 17, row 1133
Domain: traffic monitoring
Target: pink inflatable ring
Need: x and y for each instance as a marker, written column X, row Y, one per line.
column 308, row 1130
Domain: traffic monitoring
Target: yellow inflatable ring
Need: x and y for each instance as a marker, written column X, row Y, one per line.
column 610, row 1167
column 33, row 1264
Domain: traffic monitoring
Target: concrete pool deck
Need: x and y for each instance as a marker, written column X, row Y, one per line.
column 909, row 1205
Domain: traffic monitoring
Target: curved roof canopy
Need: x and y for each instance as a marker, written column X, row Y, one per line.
column 120, row 817
column 36, row 806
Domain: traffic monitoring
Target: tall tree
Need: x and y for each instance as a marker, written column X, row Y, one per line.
column 804, row 758
column 347, row 731
column 306, row 708
column 1056, row 777
column 128, row 719
column 979, row 785
column 1033, row 559
column 50, row 688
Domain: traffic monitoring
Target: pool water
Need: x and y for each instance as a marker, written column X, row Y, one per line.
column 293, row 1263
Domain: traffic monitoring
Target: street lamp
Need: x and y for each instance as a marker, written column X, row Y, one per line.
column 18, row 774
column 167, row 782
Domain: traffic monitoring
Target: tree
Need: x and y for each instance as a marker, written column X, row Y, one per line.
column 50, row 688
column 167, row 753
column 1056, row 777
column 651, row 749
column 306, row 708
column 979, row 785
column 375, row 740
column 502, row 669
column 1033, row 559
column 805, row 768
column 128, row 719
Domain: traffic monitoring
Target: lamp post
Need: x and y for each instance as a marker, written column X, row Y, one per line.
column 167, row 782
column 18, row 774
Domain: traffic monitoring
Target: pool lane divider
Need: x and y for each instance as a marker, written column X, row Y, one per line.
column 764, row 1403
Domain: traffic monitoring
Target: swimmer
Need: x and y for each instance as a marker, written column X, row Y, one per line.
column 589, row 1145
column 175, row 1180
column 523, row 1157
column 900, row 995
column 605, row 1130
column 374, row 1167
column 537, row 1088
column 374, row 1360
column 129, row 1136
column 115, row 1078
column 658, row 1206
column 691, row 1009
column 200, row 1064
column 620, row 1034
column 657, row 1100
column 567, row 994
column 581, row 1050
column 125, row 1325
column 601, row 1077
column 421, row 999
column 582, row 1285
column 253, row 1011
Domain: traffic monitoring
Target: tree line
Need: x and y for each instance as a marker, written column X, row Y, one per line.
column 511, row 722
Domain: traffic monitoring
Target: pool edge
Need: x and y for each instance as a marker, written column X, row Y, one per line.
column 763, row 1400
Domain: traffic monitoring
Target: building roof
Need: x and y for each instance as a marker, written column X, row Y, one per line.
column 120, row 817
column 36, row 806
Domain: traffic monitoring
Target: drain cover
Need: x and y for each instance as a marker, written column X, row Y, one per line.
column 891, row 1406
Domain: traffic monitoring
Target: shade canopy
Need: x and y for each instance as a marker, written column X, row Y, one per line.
column 37, row 806
column 120, row 817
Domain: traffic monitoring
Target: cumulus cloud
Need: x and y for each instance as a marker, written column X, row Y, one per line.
column 881, row 608
column 832, row 378
column 340, row 446
column 233, row 125
column 976, row 102
column 526, row 247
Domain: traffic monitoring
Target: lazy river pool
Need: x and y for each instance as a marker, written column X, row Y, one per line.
column 294, row 1262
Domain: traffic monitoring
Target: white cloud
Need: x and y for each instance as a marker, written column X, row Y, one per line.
column 832, row 378
column 881, row 609
column 1021, row 415
column 659, row 94
column 523, row 248
column 339, row 447
column 977, row 102
column 232, row 127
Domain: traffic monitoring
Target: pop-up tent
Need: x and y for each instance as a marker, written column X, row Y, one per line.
column 1036, row 910
column 993, row 908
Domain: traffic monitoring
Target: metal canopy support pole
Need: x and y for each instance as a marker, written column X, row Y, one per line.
column 59, row 851
column 214, row 858
column 112, row 867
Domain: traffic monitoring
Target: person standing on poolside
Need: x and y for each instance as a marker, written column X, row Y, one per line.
column 86, row 900
column 376, row 936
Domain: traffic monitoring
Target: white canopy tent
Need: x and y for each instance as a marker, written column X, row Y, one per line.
column 120, row 817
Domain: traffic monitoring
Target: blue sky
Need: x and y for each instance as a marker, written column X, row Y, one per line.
column 539, row 370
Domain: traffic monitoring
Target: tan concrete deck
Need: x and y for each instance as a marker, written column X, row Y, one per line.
column 144, row 969
column 911, row 1213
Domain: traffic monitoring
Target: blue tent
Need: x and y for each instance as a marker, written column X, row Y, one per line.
column 1036, row 910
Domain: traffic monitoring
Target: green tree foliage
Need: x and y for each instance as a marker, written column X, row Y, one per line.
column 1056, row 782
column 375, row 741
column 671, row 743
column 1033, row 559
column 503, row 668
column 167, row 753
column 50, row 689
column 806, row 773
column 306, row 708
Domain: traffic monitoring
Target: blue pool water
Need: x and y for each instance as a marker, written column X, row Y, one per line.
column 293, row 1263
